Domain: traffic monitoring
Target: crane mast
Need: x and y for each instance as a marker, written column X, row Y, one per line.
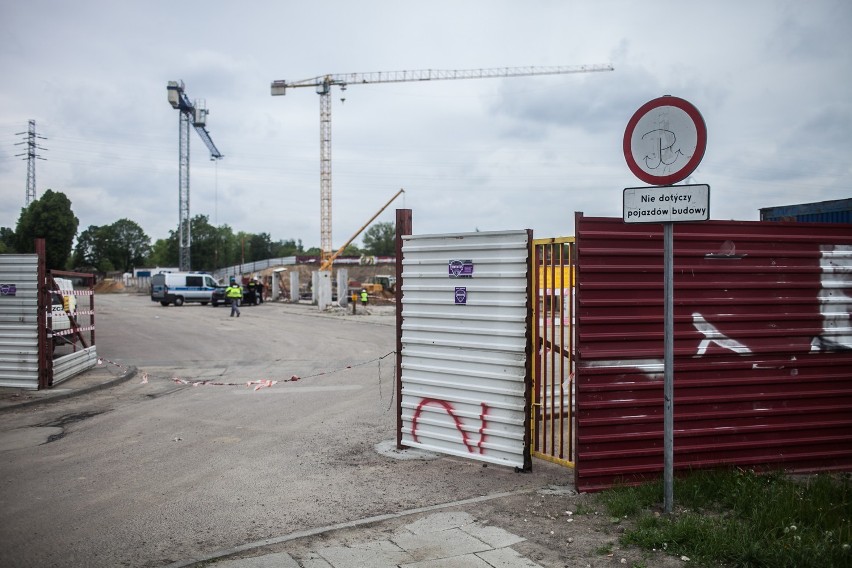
column 324, row 83
column 194, row 114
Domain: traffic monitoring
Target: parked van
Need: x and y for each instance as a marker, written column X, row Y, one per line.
column 179, row 287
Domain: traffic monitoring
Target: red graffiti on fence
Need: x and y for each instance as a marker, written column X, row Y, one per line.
column 451, row 412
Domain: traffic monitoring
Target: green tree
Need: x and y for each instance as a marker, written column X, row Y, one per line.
column 205, row 246
column 129, row 246
column 287, row 248
column 243, row 241
column 351, row 250
column 210, row 247
column 120, row 246
column 164, row 252
column 259, row 247
column 92, row 248
column 228, row 251
column 380, row 240
column 7, row 240
column 52, row 219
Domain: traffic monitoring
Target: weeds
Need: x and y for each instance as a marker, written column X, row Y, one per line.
column 738, row 518
column 604, row 549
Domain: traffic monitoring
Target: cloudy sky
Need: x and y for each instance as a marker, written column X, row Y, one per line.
column 772, row 79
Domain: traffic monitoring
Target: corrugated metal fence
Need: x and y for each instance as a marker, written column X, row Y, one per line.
column 465, row 308
column 763, row 347
column 19, row 289
column 28, row 328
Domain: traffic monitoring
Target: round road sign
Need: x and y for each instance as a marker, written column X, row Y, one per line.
column 665, row 141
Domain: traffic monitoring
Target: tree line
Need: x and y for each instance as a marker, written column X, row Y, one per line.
column 123, row 245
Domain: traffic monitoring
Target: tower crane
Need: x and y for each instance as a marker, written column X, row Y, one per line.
column 324, row 83
column 195, row 114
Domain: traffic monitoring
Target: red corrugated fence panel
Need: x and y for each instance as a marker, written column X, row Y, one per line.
column 763, row 347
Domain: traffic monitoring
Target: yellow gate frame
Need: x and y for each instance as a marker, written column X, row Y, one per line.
column 553, row 269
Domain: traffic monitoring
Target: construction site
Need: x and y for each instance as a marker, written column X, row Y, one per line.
column 303, row 278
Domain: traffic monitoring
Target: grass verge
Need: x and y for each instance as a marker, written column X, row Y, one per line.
column 738, row 518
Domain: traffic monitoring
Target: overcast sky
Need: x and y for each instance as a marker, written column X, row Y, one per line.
column 772, row 79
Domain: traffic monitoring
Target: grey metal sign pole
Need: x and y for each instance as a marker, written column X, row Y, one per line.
column 668, row 364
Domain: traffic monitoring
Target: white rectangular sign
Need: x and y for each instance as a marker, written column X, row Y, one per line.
column 667, row 204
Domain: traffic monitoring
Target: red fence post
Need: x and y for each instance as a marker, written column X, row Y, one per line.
column 403, row 227
column 45, row 354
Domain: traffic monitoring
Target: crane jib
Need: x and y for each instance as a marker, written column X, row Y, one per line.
column 323, row 84
column 343, row 79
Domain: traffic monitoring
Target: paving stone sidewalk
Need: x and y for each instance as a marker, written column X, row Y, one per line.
column 439, row 540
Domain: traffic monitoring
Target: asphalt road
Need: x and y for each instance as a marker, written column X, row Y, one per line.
column 151, row 473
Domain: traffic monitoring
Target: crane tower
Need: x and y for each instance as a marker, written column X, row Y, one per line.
column 195, row 114
column 324, row 83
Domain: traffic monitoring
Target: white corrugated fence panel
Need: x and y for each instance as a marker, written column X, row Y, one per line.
column 19, row 321
column 464, row 362
column 73, row 364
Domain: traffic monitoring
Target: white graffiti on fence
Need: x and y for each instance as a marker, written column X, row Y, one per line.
column 835, row 305
column 713, row 335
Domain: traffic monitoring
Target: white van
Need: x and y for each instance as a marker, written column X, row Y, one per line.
column 179, row 287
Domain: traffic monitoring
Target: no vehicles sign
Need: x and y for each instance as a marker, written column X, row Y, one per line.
column 664, row 141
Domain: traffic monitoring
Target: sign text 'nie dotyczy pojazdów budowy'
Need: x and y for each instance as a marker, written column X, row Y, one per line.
column 667, row 204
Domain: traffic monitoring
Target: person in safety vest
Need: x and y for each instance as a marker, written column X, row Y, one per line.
column 235, row 294
column 364, row 297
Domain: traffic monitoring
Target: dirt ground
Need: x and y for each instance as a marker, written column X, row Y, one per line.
column 564, row 529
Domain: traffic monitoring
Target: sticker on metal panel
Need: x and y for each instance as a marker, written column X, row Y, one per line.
column 460, row 269
column 8, row 289
column 461, row 295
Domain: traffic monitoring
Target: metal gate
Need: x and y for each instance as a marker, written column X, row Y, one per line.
column 553, row 270
column 465, row 342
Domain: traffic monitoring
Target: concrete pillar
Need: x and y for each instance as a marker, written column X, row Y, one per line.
column 323, row 288
column 314, row 285
column 275, row 289
column 295, row 296
column 342, row 287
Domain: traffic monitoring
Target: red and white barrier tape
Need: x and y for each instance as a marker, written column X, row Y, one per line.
column 70, row 331
column 102, row 361
column 75, row 292
column 262, row 383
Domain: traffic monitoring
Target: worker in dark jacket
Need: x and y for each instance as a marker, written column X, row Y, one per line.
column 234, row 293
column 251, row 296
